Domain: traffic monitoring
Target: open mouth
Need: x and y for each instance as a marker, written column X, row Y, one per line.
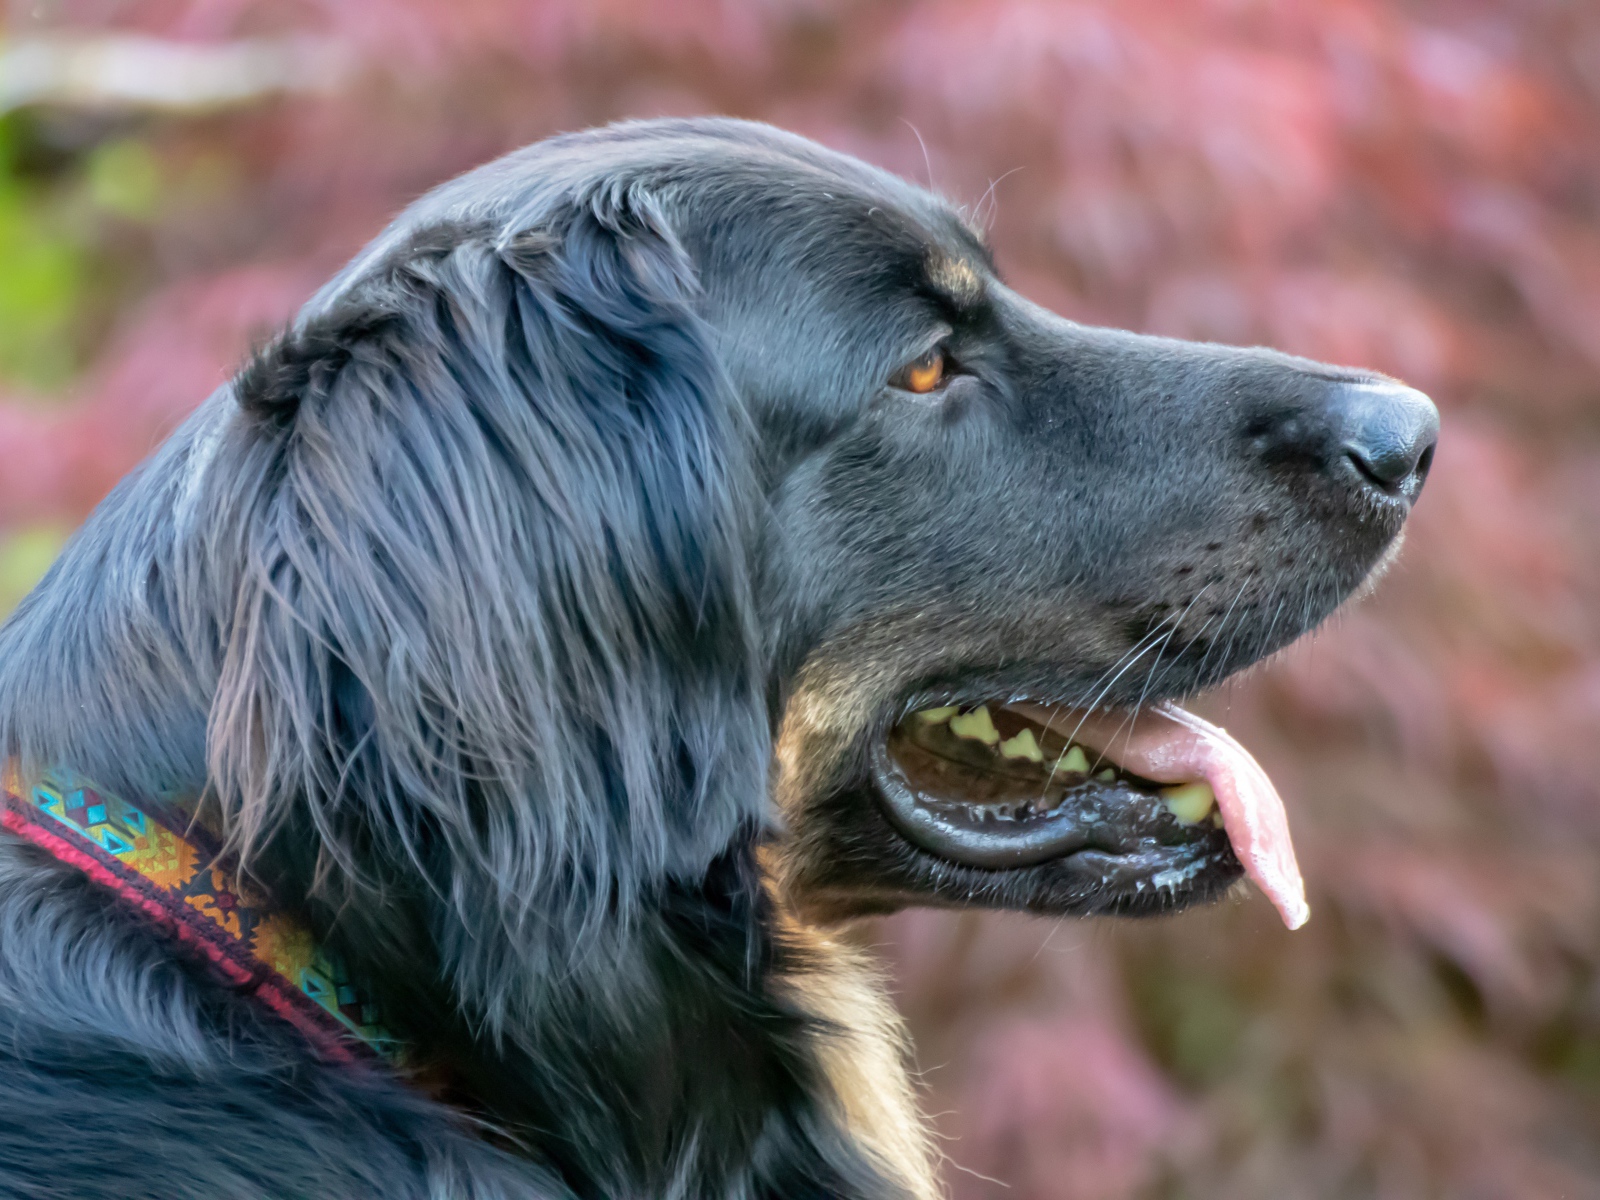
column 1156, row 801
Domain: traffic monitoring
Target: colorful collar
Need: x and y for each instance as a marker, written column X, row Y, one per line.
column 159, row 861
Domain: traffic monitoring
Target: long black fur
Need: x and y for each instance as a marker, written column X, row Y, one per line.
column 471, row 609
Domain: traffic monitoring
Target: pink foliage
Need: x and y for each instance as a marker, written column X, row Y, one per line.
column 169, row 355
column 1071, row 1102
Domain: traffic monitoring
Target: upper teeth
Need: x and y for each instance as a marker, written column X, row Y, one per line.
column 1074, row 760
column 977, row 724
column 1024, row 745
column 1190, row 803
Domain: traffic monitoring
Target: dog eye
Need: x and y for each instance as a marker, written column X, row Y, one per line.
column 921, row 375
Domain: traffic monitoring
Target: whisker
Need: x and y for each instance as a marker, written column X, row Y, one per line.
column 1155, row 667
column 1131, row 650
column 1143, row 648
column 977, row 212
column 1200, row 673
column 927, row 162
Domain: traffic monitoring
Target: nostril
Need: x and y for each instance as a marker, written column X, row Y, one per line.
column 1366, row 470
column 1386, row 464
column 1425, row 463
column 1388, row 433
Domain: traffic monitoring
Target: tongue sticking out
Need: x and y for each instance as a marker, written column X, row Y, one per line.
column 1170, row 745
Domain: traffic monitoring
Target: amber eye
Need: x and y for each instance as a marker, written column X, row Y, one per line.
column 923, row 375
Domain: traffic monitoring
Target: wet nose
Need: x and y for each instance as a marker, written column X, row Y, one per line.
column 1387, row 432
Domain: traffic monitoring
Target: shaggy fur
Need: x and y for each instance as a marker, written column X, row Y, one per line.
column 476, row 607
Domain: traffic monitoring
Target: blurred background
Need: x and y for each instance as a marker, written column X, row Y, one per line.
column 1413, row 187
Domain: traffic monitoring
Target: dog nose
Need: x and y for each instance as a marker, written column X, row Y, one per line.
column 1387, row 432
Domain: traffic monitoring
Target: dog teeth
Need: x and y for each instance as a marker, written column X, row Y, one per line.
column 1074, row 760
column 936, row 729
column 1189, row 802
column 977, row 725
column 1024, row 745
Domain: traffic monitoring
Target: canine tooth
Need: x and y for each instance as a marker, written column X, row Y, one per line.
column 938, row 716
column 1189, row 802
column 1024, row 745
column 1106, row 776
column 977, row 725
column 1074, row 760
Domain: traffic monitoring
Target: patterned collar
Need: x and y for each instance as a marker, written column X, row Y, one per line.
column 162, row 863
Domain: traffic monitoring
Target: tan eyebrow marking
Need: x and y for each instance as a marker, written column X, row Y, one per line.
column 957, row 278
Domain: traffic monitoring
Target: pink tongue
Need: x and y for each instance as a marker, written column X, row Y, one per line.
column 1170, row 745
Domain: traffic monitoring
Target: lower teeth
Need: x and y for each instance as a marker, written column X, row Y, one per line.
column 1190, row 803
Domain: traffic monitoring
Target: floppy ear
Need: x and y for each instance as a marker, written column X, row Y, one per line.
column 494, row 619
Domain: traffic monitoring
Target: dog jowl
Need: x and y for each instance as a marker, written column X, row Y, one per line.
column 655, row 546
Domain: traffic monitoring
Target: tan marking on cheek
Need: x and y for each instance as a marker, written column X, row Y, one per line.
column 826, row 710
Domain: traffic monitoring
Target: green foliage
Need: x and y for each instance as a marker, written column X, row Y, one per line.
column 64, row 217
column 25, row 555
column 124, row 178
column 43, row 276
column 1192, row 1021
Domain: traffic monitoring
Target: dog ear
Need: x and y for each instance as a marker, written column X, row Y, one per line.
column 494, row 618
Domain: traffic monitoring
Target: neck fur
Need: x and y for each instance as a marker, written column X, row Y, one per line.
column 684, row 1022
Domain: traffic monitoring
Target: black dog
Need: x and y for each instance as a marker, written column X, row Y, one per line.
column 658, row 541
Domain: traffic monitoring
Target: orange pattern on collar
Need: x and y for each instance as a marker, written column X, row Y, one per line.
column 159, row 861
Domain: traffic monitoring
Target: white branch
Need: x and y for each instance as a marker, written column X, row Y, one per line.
column 144, row 72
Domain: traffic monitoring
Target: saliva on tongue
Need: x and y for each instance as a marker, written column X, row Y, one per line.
column 1168, row 744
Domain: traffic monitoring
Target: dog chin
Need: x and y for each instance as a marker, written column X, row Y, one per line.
column 1380, row 568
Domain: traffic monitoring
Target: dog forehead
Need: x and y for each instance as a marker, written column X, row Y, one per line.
column 770, row 196
column 856, row 232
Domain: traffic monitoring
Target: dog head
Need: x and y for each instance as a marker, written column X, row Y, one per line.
column 758, row 450
column 491, row 586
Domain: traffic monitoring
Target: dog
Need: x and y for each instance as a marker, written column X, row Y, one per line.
column 657, row 546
